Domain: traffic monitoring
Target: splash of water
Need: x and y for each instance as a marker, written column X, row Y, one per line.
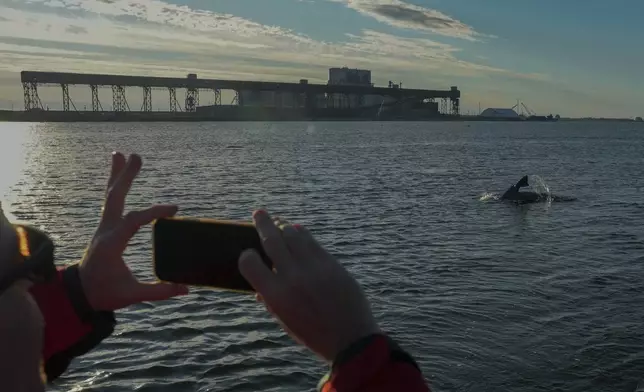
column 539, row 185
column 489, row 196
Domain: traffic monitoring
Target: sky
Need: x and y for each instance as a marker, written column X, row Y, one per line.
column 573, row 57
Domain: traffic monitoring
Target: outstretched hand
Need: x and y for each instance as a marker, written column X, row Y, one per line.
column 314, row 298
column 107, row 281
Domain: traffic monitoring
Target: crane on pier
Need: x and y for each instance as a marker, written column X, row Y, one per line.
column 521, row 106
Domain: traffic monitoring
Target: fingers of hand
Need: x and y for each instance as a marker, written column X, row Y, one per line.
column 272, row 240
column 297, row 243
column 258, row 275
column 118, row 164
column 279, row 222
column 117, row 192
column 134, row 220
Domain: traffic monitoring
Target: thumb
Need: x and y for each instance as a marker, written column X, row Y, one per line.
column 258, row 275
column 158, row 291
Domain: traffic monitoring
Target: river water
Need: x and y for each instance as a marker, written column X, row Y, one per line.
column 486, row 295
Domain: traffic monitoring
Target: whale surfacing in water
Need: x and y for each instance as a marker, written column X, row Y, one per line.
column 513, row 194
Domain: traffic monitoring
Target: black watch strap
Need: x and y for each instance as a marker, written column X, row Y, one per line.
column 103, row 323
column 397, row 354
column 76, row 294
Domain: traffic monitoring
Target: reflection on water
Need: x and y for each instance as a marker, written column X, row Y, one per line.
column 488, row 296
column 14, row 138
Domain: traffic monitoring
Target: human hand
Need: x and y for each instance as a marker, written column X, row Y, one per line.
column 314, row 298
column 107, row 281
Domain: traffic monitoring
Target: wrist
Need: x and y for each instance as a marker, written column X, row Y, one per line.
column 76, row 293
column 358, row 347
column 358, row 364
column 352, row 342
column 354, row 348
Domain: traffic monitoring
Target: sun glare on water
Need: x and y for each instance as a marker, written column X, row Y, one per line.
column 13, row 146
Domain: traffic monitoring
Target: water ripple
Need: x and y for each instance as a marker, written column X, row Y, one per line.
column 487, row 296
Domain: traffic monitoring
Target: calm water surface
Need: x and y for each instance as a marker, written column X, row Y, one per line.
column 487, row 296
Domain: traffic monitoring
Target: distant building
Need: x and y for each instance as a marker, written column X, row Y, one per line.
column 350, row 77
column 499, row 113
column 355, row 77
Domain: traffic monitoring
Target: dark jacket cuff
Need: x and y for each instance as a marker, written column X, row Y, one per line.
column 396, row 353
column 361, row 361
column 100, row 325
column 76, row 294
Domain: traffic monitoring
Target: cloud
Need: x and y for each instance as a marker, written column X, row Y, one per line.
column 10, row 49
column 160, row 30
column 161, row 12
column 75, row 30
column 155, row 37
column 409, row 16
column 158, row 38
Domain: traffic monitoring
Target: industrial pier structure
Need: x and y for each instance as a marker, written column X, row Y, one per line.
column 349, row 94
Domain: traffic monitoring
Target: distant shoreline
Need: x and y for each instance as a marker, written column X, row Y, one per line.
column 263, row 116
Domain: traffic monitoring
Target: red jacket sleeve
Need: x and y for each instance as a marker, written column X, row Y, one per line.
column 375, row 364
column 72, row 328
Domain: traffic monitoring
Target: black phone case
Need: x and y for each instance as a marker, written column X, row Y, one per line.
column 204, row 252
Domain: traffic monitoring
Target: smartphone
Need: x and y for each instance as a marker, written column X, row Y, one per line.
column 204, row 252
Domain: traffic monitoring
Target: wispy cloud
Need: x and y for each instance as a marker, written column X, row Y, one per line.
column 76, row 30
column 156, row 37
column 153, row 37
column 409, row 16
column 161, row 30
column 161, row 12
column 10, row 49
